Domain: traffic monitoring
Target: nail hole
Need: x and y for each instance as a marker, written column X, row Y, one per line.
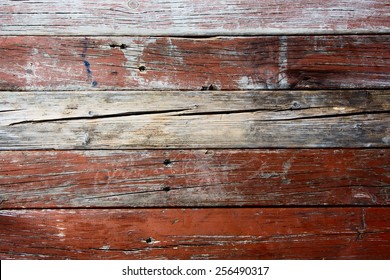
column 121, row 46
column 94, row 83
column 142, row 68
column 149, row 240
column 167, row 162
column 295, row 105
column 210, row 87
column 166, row 189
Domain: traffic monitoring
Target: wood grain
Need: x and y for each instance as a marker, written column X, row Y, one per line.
column 224, row 63
column 149, row 129
column 138, row 120
column 188, row 17
column 194, row 178
column 307, row 233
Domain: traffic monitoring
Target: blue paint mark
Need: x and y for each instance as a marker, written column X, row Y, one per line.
column 87, row 64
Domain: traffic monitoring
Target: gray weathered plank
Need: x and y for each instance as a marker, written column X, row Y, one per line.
column 211, row 119
column 188, row 17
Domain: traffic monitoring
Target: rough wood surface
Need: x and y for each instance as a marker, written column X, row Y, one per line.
column 254, row 119
column 96, row 78
column 194, row 178
column 307, row 233
column 188, row 17
column 224, row 63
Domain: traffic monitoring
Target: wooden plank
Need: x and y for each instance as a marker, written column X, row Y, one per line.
column 226, row 63
column 289, row 233
column 137, row 120
column 194, row 178
column 188, row 17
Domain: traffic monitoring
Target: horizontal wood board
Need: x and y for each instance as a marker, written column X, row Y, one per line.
column 338, row 233
column 196, row 18
column 138, row 120
column 194, row 178
column 222, row 63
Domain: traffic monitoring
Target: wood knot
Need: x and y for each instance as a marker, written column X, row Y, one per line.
column 133, row 4
column 295, row 105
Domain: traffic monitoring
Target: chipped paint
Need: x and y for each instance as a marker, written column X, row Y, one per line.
column 283, row 62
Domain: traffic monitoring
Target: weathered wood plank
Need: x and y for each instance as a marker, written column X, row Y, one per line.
column 188, row 17
column 137, row 120
column 308, row 233
column 194, row 178
column 226, row 63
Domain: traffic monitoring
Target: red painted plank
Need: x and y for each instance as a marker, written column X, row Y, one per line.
column 193, row 178
column 308, row 233
column 99, row 63
column 189, row 17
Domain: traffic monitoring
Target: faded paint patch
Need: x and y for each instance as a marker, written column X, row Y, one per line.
column 283, row 62
column 286, row 168
column 386, row 140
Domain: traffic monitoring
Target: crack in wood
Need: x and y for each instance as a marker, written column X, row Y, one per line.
column 229, row 112
column 118, row 115
column 11, row 110
column 162, row 190
column 328, row 116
